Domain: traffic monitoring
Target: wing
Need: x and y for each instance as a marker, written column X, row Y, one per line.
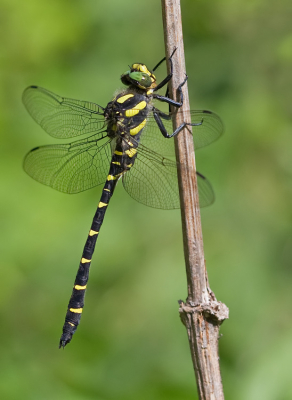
column 70, row 168
column 61, row 117
column 153, row 181
column 209, row 131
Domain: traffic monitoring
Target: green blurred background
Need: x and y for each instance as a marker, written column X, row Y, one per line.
column 131, row 343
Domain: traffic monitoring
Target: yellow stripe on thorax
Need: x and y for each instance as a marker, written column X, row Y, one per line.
column 131, row 113
column 118, row 153
column 135, row 110
column 138, row 128
column 124, row 98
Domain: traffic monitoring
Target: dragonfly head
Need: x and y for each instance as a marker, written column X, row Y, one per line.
column 140, row 77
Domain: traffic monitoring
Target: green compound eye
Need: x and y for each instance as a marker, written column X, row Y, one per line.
column 142, row 78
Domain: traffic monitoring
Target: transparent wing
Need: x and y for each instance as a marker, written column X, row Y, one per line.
column 61, row 117
column 209, row 131
column 153, row 181
column 70, row 168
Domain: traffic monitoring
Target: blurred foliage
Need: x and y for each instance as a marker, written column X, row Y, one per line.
column 131, row 343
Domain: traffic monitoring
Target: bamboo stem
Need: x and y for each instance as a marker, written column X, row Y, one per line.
column 202, row 314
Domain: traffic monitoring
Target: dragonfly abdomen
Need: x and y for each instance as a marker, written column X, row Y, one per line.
column 122, row 160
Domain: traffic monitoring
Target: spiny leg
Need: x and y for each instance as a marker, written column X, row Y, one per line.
column 157, row 65
column 169, row 76
column 164, row 58
column 158, row 114
column 170, row 101
column 165, row 81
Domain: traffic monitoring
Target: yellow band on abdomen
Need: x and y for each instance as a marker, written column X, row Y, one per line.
column 76, row 310
column 111, row 177
column 78, row 287
column 131, row 152
column 84, row 260
column 92, row 233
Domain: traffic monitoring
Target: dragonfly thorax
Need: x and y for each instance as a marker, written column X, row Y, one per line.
column 126, row 114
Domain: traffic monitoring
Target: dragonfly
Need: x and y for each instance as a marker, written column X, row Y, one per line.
column 129, row 140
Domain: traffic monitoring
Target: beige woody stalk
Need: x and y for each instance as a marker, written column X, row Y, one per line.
column 202, row 314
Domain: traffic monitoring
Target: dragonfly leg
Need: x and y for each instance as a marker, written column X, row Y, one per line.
column 170, row 101
column 167, row 95
column 158, row 115
column 169, row 76
column 162, row 114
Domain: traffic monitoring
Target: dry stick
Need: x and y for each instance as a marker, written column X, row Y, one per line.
column 202, row 314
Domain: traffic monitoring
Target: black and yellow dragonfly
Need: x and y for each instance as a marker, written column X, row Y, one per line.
column 129, row 139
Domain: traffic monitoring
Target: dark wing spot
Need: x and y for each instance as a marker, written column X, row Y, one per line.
column 200, row 175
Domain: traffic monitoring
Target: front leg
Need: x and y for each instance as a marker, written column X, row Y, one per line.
column 170, row 101
column 169, row 76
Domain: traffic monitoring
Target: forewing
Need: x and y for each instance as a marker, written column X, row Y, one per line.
column 70, row 168
column 61, row 117
column 153, row 181
column 209, row 130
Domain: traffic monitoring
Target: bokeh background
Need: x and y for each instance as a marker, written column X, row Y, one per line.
column 131, row 343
